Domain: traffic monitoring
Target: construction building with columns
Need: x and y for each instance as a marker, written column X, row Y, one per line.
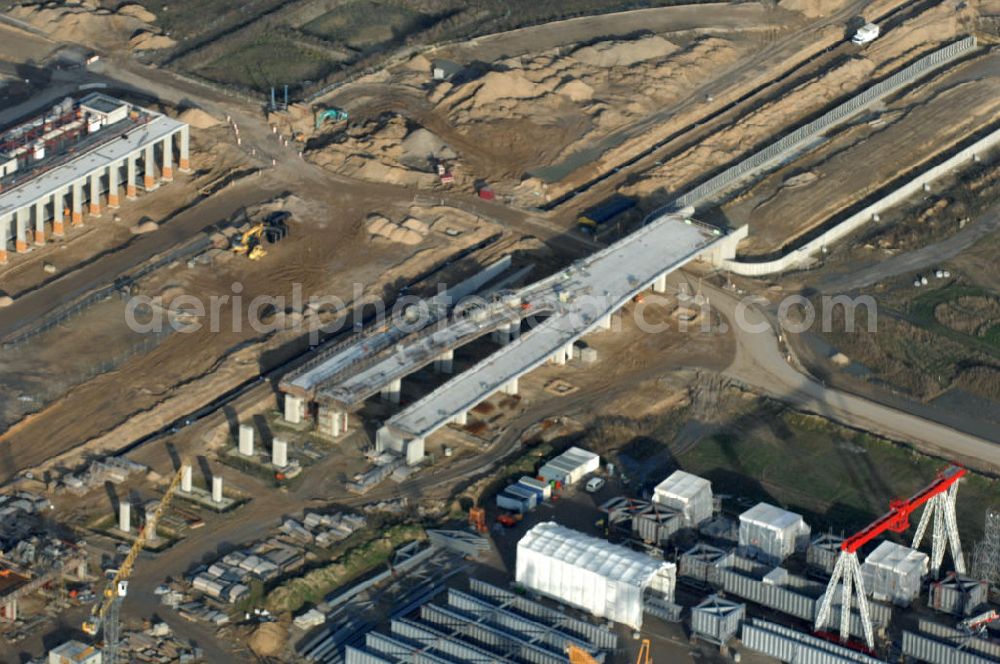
column 71, row 163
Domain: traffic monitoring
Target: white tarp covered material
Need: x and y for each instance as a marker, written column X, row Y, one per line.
column 686, row 493
column 771, row 534
column 570, row 467
column 592, row 574
column 894, row 573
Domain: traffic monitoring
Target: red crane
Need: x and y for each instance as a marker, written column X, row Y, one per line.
column 897, row 519
column 939, row 496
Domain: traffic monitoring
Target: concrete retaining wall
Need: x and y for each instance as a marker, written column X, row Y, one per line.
column 801, row 256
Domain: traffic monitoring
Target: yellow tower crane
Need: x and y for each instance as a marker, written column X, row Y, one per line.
column 105, row 614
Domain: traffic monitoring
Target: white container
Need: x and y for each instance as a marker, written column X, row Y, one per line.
column 771, row 534
column 570, row 467
column 592, row 574
column 688, row 494
column 894, row 573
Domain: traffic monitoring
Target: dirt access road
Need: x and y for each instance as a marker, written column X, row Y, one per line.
column 911, row 261
column 761, row 364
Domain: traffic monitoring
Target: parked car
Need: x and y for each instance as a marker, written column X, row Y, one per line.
column 595, row 484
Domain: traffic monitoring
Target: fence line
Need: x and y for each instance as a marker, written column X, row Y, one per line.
column 782, row 147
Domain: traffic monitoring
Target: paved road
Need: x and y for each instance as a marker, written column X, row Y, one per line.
column 920, row 259
column 761, row 364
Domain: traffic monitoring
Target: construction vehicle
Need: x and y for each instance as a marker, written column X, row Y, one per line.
column 645, row 656
column 509, row 520
column 105, row 614
column 578, row 655
column 477, row 519
column 866, row 34
column 251, row 242
column 334, row 114
column 939, row 496
column 976, row 625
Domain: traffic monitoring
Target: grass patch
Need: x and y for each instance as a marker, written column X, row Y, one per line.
column 836, row 477
column 355, row 562
column 368, row 25
column 265, row 60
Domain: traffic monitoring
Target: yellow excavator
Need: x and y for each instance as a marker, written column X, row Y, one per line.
column 578, row 655
column 251, row 242
column 105, row 614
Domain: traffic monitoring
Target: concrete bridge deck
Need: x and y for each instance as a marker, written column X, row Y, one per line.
column 586, row 295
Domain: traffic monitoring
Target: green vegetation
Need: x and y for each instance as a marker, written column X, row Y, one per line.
column 354, row 563
column 366, row 25
column 192, row 19
column 924, row 305
column 837, row 477
column 265, row 60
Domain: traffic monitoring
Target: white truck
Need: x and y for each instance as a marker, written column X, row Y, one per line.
column 866, row 33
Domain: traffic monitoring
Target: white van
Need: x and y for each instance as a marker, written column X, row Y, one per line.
column 595, row 484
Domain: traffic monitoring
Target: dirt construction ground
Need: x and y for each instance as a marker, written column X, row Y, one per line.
column 655, row 100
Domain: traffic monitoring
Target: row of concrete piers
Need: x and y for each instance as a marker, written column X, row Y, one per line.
column 65, row 203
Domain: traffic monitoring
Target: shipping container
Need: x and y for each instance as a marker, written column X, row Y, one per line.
column 823, row 552
column 604, row 212
column 788, row 645
column 717, row 620
column 958, row 594
column 570, row 467
column 656, row 524
column 696, row 562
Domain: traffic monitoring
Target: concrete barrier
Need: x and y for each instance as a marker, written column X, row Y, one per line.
column 800, row 257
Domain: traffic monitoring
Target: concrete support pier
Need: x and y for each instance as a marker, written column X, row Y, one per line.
column 660, row 284
column 294, row 409
column 217, row 489
column 21, row 238
column 40, row 222
column 391, row 392
column 511, row 386
column 445, row 362
column 332, row 422
column 246, row 440
column 186, row 478
column 605, row 322
column 130, row 188
column 461, row 419
column 279, row 453
column 95, row 194
column 113, row 200
column 149, row 515
column 6, row 221
column 184, row 162
column 58, row 212
column 77, row 210
column 149, row 169
column 125, row 516
column 168, row 158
